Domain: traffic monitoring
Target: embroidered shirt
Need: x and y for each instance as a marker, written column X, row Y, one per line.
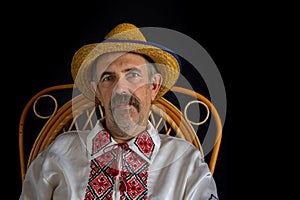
column 91, row 165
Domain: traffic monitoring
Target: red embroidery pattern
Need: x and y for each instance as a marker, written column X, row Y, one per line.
column 132, row 175
column 100, row 141
column 102, row 177
column 145, row 144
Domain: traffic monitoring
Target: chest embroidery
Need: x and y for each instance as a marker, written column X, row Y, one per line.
column 119, row 168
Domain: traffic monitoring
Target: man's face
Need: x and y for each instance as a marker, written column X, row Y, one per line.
column 125, row 91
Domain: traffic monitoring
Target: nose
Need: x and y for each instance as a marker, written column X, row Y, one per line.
column 121, row 86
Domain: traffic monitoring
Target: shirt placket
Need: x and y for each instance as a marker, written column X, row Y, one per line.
column 118, row 187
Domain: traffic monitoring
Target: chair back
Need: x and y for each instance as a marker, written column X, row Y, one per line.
column 70, row 110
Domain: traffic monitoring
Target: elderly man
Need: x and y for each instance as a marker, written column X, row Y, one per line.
column 123, row 156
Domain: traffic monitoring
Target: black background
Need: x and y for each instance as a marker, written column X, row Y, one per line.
column 41, row 38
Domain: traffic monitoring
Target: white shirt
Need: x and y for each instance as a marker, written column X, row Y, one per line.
column 150, row 166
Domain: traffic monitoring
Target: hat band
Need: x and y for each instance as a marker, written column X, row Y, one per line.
column 148, row 43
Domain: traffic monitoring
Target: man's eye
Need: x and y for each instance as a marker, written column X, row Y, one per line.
column 107, row 78
column 134, row 74
column 107, row 81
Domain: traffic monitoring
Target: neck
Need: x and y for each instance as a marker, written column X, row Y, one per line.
column 122, row 135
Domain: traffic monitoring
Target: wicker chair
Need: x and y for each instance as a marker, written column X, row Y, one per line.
column 78, row 113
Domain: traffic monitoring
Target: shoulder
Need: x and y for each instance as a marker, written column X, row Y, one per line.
column 67, row 140
column 177, row 145
column 176, row 152
column 178, row 142
column 66, row 137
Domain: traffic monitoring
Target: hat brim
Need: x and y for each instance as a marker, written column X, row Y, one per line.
column 167, row 64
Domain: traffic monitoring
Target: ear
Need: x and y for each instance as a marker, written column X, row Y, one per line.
column 155, row 86
column 95, row 90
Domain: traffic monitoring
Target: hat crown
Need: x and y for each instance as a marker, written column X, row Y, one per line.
column 126, row 31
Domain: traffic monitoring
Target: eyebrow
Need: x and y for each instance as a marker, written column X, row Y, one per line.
column 132, row 69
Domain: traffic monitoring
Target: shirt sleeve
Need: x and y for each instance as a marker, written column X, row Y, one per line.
column 201, row 184
column 58, row 172
column 35, row 185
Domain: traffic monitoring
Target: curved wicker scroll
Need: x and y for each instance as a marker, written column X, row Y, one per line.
column 216, row 117
column 26, row 109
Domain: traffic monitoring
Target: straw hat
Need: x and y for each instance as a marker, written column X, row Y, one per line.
column 124, row 37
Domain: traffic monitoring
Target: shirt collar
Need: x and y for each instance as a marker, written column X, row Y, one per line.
column 145, row 144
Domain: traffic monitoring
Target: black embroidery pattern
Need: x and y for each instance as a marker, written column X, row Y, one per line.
column 212, row 197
